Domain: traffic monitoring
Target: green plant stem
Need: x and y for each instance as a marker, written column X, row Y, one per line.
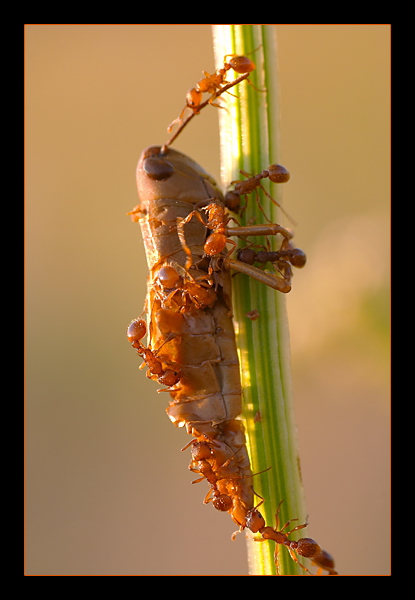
column 250, row 140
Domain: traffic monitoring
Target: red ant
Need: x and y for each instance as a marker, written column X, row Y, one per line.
column 205, row 461
column 216, row 222
column 275, row 173
column 135, row 332
column 172, row 290
column 201, row 451
column 306, row 547
column 283, row 258
column 215, row 85
column 212, row 84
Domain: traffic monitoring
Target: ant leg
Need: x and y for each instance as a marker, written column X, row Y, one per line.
column 276, row 553
column 180, row 233
column 184, row 122
column 295, row 528
column 276, row 204
column 295, row 559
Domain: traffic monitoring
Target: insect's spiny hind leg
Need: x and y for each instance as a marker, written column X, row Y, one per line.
column 282, row 284
column 273, row 281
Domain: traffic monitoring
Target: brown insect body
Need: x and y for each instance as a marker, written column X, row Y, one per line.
column 190, row 324
column 191, row 339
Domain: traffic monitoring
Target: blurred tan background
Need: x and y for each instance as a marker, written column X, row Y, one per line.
column 108, row 491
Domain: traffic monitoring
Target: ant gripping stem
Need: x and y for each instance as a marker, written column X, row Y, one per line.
column 243, row 187
column 214, row 84
column 306, row 547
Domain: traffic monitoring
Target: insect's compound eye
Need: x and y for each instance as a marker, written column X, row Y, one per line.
column 158, row 169
column 278, row 174
column 136, row 330
column 168, row 276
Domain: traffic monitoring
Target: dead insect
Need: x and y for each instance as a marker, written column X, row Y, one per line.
column 188, row 310
column 191, row 340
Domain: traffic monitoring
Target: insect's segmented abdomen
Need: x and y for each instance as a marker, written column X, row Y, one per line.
column 202, row 342
column 190, row 324
column 190, row 321
column 191, row 340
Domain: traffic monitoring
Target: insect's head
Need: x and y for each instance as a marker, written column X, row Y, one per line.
column 169, row 174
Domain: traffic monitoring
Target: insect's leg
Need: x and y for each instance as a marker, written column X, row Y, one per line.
column 273, row 281
column 215, row 104
column 216, row 94
column 276, row 552
column 232, row 250
column 261, row 208
column 259, row 230
column 180, row 233
column 295, row 528
column 208, row 497
column 136, row 213
column 275, row 202
column 198, row 480
column 178, row 119
column 193, row 114
column 282, row 284
column 295, row 559
column 256, row 178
